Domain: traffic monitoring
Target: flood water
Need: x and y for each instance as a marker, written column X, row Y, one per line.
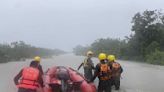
column 137, row 77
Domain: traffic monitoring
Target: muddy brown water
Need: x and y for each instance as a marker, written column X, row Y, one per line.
column 137, row 77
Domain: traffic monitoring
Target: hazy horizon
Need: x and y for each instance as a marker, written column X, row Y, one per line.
column 63, row 24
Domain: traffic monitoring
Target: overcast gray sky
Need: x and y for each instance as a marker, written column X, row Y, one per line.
column 64, row 24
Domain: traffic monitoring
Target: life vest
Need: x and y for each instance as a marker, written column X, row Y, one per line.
column 105, row 72
column 116, row 66
column 29, row 78
column 86, row 63
column 116, row 69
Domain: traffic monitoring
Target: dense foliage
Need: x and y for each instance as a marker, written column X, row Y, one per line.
column 146, row 43
column 20, row 51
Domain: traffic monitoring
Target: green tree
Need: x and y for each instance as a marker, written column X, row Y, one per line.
column 20, row 50
column 147, row 28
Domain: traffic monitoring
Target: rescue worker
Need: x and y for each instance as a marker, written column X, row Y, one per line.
column 63, row 75
column 29, row 78
column 104, row 73
column 38, row 60
column 88, row 66
column 116, row 71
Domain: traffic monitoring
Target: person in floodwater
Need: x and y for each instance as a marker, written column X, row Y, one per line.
column 104, row 73
column 38, row 60
column 29, row 78
column 116, row 71
column 88, row 66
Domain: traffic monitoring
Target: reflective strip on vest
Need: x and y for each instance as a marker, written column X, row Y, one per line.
column 85, row 63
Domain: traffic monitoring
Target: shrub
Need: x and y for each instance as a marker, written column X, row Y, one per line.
column 156, row 58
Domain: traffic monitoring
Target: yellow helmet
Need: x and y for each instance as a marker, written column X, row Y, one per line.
column 89, row 53
column 37, row 59
column 111, row 58
column 102, row 56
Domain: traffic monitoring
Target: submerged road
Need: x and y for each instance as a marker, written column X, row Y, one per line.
column 137, row 77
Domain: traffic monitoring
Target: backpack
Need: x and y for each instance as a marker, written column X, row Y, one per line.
column 116, row 66
column 116, row 69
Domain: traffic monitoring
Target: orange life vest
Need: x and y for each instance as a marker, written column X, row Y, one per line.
column 29, row 78
column 115, row 69
column 116, row 66
column 105, row 72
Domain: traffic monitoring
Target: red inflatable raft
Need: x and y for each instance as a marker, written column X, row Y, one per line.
column 66, row 79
